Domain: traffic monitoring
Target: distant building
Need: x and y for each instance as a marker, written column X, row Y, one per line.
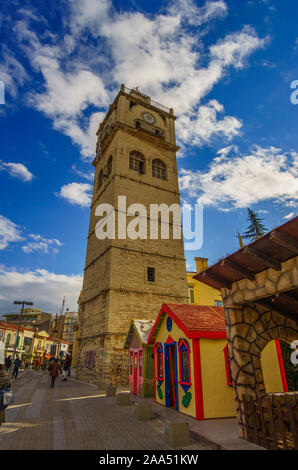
column 62, row 326
column 71, row 318
column 198, row 292
column 24, row 342
column 31, row 345
column 31, row 318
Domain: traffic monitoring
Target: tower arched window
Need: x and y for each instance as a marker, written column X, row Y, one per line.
column 109, row 166
column 137, row 161
column 159, row 169
column 100, row 179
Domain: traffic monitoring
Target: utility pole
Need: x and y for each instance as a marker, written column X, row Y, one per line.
column 19, row 302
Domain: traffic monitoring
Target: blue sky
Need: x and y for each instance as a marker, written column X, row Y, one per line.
column 224, row 66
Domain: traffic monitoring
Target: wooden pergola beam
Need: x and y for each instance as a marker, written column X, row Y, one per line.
column 289, row 299
column 285, row 241
column 261, row 258
column 238, row 269
column 222, row 282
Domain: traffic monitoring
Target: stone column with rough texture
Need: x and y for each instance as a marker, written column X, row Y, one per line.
column 250, row 328
column 251, row 325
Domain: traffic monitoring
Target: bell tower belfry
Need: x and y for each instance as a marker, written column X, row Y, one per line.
column 129, row 278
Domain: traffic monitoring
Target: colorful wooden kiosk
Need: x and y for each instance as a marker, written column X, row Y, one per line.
column 141, row 358
column 191, row 366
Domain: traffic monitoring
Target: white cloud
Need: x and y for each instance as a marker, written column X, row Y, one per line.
column 17, row 170
column 46, row 245
column 235, row 48
column 44, row 288
column 89, row 14
column 161, row 53
column 85, row 137
column 77, row 193
column 68, row 94
column 88, row 176
column 289, row 216
column 190, row 266
column 200, row 129
column 12, row 72
column 198, row 16
column 243, row 180
column 9, row 232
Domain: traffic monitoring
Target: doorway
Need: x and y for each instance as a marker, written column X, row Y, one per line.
column 171, row 384
column 135, row 373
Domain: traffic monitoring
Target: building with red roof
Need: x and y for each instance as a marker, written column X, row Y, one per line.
column 191, row 365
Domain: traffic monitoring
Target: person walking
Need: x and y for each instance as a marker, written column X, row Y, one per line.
column 66, row 367
column 54, row 368
column 16, row 365
column 8, row 362
column 69, row 364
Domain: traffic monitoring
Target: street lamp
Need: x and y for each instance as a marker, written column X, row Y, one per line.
column 19, row 302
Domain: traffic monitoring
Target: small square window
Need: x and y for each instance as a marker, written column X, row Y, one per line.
column 151, row 274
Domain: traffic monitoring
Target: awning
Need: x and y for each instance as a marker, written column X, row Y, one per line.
column 269, row 251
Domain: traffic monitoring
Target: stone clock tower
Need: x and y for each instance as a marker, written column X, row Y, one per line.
column 126, row 278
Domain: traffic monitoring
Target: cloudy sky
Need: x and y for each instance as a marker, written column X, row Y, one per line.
column 225, row 66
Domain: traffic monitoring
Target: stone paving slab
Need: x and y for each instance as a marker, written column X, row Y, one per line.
column 216, row 434
column 74, row 415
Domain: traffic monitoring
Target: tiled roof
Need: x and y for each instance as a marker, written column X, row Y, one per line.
column 196, row 321
column 12, row 326
column 51, row 338
column 200, row 317
column 143, row 328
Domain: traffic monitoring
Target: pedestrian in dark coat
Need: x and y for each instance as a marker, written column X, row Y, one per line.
column 16, row 365
column 69, row 363
column 66, row 367
column 8, row 362
column 54, row 368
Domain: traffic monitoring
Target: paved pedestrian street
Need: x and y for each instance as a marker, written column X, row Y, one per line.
column 74, row 415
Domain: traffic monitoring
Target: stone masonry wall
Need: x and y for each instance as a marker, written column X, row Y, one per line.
column 251, row 325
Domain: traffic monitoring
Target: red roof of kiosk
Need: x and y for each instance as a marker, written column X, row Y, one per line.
column 197, row 321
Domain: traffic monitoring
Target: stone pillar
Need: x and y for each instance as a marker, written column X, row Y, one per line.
column 123, row 398
column 250, row 327
column 245, row 358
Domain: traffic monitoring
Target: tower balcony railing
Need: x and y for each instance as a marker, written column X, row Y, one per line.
column 129, row 91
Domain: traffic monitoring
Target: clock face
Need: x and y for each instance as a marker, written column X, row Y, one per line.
column 149, row 118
